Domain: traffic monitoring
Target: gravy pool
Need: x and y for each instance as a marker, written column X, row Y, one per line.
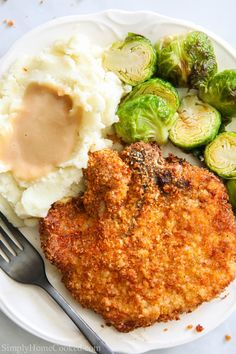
column 42, row 135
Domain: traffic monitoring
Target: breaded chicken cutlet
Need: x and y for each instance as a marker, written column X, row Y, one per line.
column 151, row 238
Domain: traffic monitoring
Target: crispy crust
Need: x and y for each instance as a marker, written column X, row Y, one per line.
column 150, row 239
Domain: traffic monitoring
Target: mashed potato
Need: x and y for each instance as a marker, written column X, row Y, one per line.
column 75, row 67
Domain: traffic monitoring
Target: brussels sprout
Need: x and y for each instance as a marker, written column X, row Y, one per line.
column 231, row 187
column 159, row 88
column 133, row 60
column 146, row 118
column 186, row 60
column 197, row 125
column 220, row 92
column 220, row 155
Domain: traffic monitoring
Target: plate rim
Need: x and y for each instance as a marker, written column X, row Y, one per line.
column 59, row 342
column 73, row 18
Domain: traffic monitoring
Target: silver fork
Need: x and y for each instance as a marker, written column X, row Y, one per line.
column 22, row 262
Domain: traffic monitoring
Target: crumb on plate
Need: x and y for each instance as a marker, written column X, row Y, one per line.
column 224, row 297
column 189, row 327
column 8, row 22
column 227, row 338
column 199, row 328
column 165, row 329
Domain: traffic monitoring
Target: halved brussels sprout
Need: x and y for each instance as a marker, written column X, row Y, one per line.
column 133, row 60
column 146, row 118
column 186, row 60
column 159, row 88
column 220, row 92
column 197, row 125
column 220, row 155
column 231, row 187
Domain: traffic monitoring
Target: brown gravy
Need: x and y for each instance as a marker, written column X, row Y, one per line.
column 43, row 133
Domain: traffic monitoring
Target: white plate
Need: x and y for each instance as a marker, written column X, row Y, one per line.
column 29, row 306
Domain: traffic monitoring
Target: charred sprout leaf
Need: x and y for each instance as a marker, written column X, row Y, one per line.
column 202, row 59
column 231, row 187
column 198, row 153
column 159, row 88
column 186, row 60
column 220, row 155
column 133, row 60
column 146, row 118
column 224, row 124
column 197, row 124
column 220, row 92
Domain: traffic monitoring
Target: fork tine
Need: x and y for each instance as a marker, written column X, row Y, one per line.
column 4, row 257
column 13, row 238
column 9, row 241
column 20, row 238
column 8, row 245
column 5, row 250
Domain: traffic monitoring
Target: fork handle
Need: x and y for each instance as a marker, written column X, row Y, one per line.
column 96, row 342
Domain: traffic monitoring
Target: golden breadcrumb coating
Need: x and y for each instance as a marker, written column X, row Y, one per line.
column 150, row 238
